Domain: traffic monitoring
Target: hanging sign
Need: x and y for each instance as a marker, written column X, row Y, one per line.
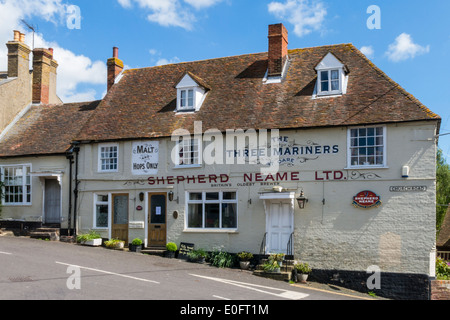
column 366, row 200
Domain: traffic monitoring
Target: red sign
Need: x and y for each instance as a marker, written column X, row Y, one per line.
column 366, row 200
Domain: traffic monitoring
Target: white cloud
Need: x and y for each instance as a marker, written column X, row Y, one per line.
column 164, row 61
column 404, row 48
column 200, row 4
column 306, row 16
column 74, row 69
column 367, row 51
column 170, row 13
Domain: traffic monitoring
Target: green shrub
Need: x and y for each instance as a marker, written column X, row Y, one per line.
column 302, row 268
column 222, row 259
column 171, row 246
column 245, row 256
column 136, row 242
column 88, row 236
column 442, row 269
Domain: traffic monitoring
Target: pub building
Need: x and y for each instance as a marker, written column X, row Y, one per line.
column 313, row 152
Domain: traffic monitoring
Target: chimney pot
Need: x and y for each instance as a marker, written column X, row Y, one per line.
column 22, row 37
column 51, row 51
column 16, row 36
column 115, row 52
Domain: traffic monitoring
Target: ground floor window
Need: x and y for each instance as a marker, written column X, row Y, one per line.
column 17, row 184
column 212, row 210
column 101, row 210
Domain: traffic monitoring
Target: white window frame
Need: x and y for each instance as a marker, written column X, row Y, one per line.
column 24, row 184
column 96, row 203
column 100, row 159
column 203, row 202
column 329, row 91
column 186, row 99
column 197, row 161
column 350, row 165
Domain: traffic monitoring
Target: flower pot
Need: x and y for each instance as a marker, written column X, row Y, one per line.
column 170, row 254
column 302, row 277
column 135, row 247
column 93, row 242
column 244, row 265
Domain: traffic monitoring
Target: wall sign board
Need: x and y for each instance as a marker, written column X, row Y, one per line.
column 184, row 249
column 366, row 200
column 408, row 189
column 145, row 158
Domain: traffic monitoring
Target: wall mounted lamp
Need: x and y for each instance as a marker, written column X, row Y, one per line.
column 302, row 200
column 170, row 195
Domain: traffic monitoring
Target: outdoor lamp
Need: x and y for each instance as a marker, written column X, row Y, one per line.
column 170, row 195
column 302, row 200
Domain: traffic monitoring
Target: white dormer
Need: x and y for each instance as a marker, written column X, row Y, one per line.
column 332, row 77
column 190, row 93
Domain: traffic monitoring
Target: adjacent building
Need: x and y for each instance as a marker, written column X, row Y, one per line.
column 36, row 158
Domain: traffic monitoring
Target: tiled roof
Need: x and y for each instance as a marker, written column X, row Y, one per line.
column 443, row 240
column 142, row 104
column 46, row 130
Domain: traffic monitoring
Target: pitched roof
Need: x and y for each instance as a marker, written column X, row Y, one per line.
column 443, row 239
column 142, row 104
column 46, row 129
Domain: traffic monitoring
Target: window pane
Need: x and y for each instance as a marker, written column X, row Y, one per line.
column 229, row 217
column 229, row 196
column 212, row 196
column 102, row 216
column 195, row 196
column 195, row 215
column 335, row 85
column 212, row 215
column 324, row 86
column 191, row 98
column 324, row 75
column 334, row 75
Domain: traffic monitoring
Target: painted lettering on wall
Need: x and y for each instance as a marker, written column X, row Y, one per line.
column 145, row 158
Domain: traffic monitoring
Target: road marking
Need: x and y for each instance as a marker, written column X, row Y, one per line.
column 292, row 295
column 7, row 253
column 219, row 297
column 108, row 272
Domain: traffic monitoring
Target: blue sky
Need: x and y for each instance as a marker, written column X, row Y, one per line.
column 412, row 46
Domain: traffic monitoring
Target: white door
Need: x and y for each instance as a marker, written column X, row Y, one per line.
column 52, row 201
column 280, row 225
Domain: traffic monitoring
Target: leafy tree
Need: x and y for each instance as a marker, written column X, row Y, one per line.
column 442, row 188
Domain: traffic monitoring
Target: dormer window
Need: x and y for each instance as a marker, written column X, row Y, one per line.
column 191, row 93
column 331, row 77
column 187, row 99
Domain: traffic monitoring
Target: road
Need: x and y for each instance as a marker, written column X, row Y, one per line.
column 33, row 269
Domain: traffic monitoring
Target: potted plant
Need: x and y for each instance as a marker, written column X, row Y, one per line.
column 90, row 239
column 136, row 245
column 171, row 249
column 302, row 270
column 198, row 256
column 271, row 266
column 115, row 244
column 244, row 259
column 278, row 257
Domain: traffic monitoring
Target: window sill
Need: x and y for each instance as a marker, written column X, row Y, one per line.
column 328, row 95
column 189, row 166
column 366, row 167
column 191, row 230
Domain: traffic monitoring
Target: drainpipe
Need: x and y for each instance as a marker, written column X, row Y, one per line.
column 69, row 156
column 76, row 149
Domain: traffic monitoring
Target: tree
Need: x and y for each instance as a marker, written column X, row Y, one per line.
column 442, row 188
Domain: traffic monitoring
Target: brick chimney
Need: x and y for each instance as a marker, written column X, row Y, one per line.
column 18, row 56
column 115, row 67
column 278, row 49
column 44, row 76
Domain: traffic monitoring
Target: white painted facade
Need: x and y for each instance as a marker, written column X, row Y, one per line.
column 329, row 233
